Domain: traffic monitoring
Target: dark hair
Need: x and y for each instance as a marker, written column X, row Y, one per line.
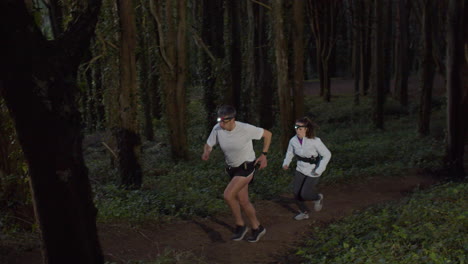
column 311, row 126
column 226, row 111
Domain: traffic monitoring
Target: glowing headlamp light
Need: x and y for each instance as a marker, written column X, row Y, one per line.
column 224, row 119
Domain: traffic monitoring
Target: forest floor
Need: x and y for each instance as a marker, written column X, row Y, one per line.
column 209, row 238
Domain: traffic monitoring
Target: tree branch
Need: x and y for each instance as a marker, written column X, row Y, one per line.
column 160, row 33
column 202, row 44
column 262, row 4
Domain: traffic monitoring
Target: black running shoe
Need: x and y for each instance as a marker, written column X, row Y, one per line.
column 257, row 234
column 239, row 233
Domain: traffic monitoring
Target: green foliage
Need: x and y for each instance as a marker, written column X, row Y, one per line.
column 15, row 198
column 185, row 190
column 427, row 227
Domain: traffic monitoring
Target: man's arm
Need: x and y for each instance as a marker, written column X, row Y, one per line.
column 266, row 146
column 206, row 152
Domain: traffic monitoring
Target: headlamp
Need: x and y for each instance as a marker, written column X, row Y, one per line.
column 224, row 119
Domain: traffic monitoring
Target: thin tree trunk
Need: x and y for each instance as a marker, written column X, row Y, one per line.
column 322, row 19
column 236, row 55
column 212, row 36
column 365, row 52
column 248, row 100
column 264, row 70
column 457, row 86
column 428, row 70
column 356, row 66
column 298, row 58
column 145, row 71
column 402, row 53
column 284, row 95
column 378, row 66
column 387, row 27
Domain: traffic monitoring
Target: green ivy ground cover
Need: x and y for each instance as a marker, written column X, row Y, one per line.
column 428, row 227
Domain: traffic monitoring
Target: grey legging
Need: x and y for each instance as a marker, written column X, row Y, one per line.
column 304, row 190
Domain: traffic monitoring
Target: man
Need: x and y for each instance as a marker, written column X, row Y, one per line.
column 235, row 139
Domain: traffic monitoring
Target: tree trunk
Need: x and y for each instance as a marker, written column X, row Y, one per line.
column 264, row 70
column 356, row 25
column 378, row 66
column 402, row 53
column 127, row 133
column 428, row 70
column 298, row 58
column 365, row 52
column 457, row 86
column 212, row 36
column 172, row 46
column 321, row 73
column 236, row 55
column 322, row 16
column 39, row 86
column 145, row 71
column 285, row 108
column 387, row 44
column 249, row 95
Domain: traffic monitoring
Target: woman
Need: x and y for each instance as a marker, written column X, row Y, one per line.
column 312, row 160
column 235, row 140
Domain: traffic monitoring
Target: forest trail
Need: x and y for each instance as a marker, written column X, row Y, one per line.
column 209, row 238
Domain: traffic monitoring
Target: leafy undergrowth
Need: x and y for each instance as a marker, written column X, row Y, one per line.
column 428, row 227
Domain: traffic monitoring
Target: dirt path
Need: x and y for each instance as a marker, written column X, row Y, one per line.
column 210, row 237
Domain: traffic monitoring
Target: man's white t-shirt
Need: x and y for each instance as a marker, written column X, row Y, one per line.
column 236, row 144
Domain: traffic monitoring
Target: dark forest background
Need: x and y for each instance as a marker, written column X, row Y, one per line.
column 128, row 76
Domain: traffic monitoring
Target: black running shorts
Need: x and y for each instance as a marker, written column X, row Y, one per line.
column 245, row 169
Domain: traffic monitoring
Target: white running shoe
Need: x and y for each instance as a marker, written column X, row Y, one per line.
column 319, row 203
column 301, row 216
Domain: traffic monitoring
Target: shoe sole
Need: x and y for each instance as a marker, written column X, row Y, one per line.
column 241, row 237
column 258, row 237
